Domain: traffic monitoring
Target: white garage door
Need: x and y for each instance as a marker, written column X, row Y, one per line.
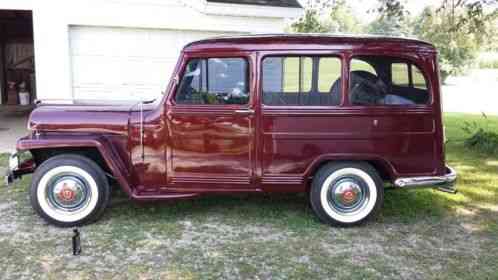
column 124, row 63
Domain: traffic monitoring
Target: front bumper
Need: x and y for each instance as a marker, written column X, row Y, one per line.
column 444, row 183
column 16, row 168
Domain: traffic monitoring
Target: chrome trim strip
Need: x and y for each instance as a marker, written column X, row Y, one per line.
column 141, row 105
column 446, row 181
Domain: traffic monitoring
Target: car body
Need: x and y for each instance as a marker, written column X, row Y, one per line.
column 264, row 113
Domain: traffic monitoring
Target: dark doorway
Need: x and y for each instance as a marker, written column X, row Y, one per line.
column 17, row 60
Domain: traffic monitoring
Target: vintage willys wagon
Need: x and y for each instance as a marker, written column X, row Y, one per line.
column 333, row 116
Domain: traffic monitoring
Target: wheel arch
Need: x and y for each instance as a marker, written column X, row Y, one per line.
column 42, row 154
column 384, row 167
column 97, row 149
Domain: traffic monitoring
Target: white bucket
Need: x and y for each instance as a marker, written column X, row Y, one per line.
column 24, row 98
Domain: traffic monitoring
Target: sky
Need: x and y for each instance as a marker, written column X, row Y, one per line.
column 361, row 7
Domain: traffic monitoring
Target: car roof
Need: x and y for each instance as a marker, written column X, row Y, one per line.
column 296, row 41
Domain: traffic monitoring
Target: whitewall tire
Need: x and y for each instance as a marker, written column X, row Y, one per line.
column 346, row 193
column 69, row 190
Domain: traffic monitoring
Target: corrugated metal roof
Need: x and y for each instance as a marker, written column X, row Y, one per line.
column 275, row 3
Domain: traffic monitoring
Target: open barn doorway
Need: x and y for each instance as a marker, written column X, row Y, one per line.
column 17, row 74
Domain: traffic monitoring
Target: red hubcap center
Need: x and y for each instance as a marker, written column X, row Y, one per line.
column 66, row 194
column 349, row 195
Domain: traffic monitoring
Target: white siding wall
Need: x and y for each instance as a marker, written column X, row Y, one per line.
column 124, row 63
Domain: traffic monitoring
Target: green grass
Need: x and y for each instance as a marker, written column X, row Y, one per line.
column 491, row 64
column 420, row 234
column 488, row 60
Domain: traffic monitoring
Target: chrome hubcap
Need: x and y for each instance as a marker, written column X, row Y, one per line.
column 348, row 194
column 68, row 192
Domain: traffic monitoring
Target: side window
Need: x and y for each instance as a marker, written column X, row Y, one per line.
column 329, row 72
column 400, row 74
column 360, row 65
column 296, row 74
column 293, row 81
column 214, row 81
column 396, row 82
column 418, row 78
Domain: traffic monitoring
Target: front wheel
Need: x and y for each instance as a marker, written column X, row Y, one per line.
column 346, row 193
column 69, row 190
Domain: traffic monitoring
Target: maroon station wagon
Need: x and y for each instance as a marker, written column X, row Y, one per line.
column 336, row 117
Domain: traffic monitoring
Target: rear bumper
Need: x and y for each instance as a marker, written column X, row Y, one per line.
column 444, row 183
column 16, row 169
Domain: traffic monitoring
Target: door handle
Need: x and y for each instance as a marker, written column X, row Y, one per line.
column 244, row 112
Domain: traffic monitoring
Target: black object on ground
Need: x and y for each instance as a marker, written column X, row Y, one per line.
column 76, row 243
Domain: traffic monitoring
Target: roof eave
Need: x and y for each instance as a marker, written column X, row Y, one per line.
column 266, row 3
column 244, row 10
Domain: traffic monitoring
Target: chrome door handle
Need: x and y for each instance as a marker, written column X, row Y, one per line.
column 244, row 112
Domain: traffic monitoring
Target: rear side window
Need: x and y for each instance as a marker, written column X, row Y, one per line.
column 360, row 65
column 400, row 74
column 394, row 81
column 407, row 75
column 296, row 73
column 301, row 81
column 418, row 78
column 214, row 81
column 329, row 71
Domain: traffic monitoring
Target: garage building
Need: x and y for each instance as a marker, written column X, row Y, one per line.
column 114, row 49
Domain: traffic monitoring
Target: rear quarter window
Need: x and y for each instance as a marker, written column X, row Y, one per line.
column 400, row 74
column 386, row 80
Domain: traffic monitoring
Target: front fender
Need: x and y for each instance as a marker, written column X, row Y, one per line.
column 102, row 143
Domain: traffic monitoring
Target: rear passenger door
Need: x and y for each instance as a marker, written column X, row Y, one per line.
column 299, row 94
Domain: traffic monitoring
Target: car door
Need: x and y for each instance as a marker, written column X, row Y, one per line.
column 211, row 121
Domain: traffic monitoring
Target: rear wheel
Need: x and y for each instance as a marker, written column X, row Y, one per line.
column 69, row 190
column 346, row 193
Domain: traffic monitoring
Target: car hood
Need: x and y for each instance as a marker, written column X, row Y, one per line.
column 90, row 117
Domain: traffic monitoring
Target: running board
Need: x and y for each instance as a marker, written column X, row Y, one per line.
column 166, row 196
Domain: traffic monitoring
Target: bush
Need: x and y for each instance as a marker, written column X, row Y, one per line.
column 484, row 141
column 481, row 138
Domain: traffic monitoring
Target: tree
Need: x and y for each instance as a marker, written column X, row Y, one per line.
column 321, row 16
column 392, row 19
column 342, row 20
column 310, row 21
column 459, row 29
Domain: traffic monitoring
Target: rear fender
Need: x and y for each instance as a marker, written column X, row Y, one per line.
column 383, row 165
